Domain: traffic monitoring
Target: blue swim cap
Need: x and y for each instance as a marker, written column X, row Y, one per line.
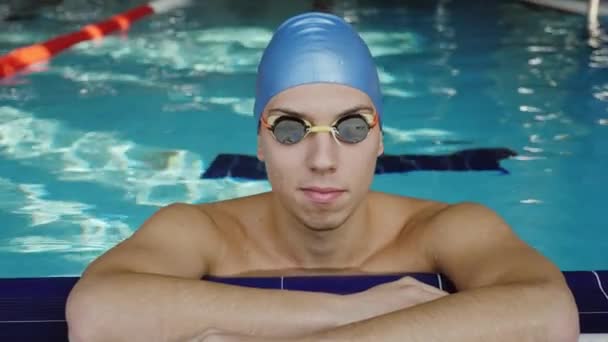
column 315, row 48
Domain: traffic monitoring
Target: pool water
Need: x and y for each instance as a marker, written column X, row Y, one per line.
column 96, row 141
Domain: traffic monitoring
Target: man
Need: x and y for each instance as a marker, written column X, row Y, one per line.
column 318, row 108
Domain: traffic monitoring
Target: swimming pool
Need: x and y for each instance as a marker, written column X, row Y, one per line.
column 93, row 145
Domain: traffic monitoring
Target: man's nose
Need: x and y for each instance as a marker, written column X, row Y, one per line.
column 322, row 152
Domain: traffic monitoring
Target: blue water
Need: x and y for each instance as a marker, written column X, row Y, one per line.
column 94, row 143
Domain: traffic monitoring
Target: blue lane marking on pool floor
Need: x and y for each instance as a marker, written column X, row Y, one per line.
column 480, row 159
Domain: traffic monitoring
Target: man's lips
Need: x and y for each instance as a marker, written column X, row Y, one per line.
column 322, row 195
column 322, row 189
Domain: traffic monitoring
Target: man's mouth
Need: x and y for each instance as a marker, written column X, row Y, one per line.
column 322, row 195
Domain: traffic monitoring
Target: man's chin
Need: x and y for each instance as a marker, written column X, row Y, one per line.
column 323, row 220
column 321, row 228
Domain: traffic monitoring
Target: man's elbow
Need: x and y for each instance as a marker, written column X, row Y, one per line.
column 563, row 322
column 80, row 312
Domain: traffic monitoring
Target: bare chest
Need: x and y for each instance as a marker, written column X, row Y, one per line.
column 251, row 261
column 252, row 251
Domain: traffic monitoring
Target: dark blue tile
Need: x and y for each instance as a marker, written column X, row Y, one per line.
column 44, row 298
column 336, row 284
column 604, row 279
column 36, row 287
column 34, row 331
column 588, row 296
column 432, row 279
column 257, row 282
column 350, row 284
column 447, row 284
column 594, row 323
column 33, row 308
column 34, row 298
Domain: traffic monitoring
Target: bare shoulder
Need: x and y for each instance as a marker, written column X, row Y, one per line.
column 455, row 226
column 456, row 213
column 411, row 205
column 474, row 246
column 177, row 240
column 469, row 242
column 451, row 224
column 412, row 213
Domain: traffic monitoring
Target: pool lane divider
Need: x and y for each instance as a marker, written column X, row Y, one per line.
column 24, row 57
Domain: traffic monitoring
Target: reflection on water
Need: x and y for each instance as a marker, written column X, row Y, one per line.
column 102, row 158
column 91, row 234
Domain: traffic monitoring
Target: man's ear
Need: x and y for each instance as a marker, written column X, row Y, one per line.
column 381, row 145
column 259, row 152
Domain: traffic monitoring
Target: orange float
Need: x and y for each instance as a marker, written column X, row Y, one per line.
column 21, row 58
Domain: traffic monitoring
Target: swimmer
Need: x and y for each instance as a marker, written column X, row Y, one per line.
column 319, row 115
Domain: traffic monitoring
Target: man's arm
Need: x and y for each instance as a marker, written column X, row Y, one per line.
column 148, row 288
column 508, row 291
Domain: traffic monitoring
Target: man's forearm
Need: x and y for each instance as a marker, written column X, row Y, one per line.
column 134, row 307
column 517, row 312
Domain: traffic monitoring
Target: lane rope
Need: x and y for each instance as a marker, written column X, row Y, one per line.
column 24, row 57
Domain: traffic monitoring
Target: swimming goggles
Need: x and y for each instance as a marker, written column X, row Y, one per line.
column 350, row 128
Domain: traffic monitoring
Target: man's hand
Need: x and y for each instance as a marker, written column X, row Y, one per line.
column 216, row 335
column 386, row 298
column 378, row 300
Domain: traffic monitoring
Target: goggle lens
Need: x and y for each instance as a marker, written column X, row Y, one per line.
column 350, row 129
column 289, row 130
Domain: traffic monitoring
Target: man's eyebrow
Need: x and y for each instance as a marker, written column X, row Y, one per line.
column 306, row 116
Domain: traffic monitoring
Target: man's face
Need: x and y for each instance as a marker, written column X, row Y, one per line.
column 318, row 180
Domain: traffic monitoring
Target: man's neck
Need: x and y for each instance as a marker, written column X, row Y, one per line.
column 344, row 246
